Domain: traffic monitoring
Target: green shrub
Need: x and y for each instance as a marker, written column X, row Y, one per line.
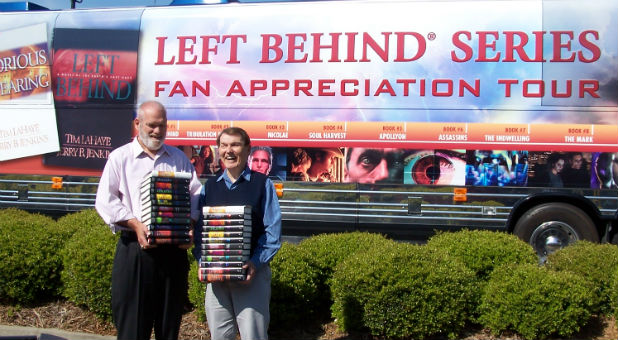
column 323, row 252
column 30, row 265
column 402, row 290
column 484, row 250
column 295, row 289
column 614, row 294
column 535, row 302
column 595, row 262
column 327, row 250
column 197, row 289
column 88, row 258
column 300, row 291
column 82, row 220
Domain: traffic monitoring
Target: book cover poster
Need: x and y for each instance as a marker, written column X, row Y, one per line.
column 94, row 66
column 94, row 76
column 87, row 142
column 26, row 104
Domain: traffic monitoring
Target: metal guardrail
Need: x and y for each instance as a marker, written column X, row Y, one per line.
column 342, row 203
column 38, row 195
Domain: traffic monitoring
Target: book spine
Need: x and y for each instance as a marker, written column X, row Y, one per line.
column 225, row 258
column 206, row 246
column 168, row 227
column 169, row 197
column 222, row 270
column 164, row 185
column 226, row 252
column 231, row 209
column 244, row 240
column 170, row 209
column 221, row 277
column 150, row 190
column 167, row 214
column 173, row 174
column 232, row 228
column 152, row 202
column 169, row 240
column 169, row 233
column 240, row 222
column 225, row 234
column 166, row 220
column 224, row 264
column 224, row 216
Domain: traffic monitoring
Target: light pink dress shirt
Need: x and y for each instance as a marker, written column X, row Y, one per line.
column 118, row 194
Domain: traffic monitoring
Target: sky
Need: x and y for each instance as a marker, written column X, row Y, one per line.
column 66, row 4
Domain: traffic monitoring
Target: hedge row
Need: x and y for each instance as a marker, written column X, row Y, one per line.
column 88, row 257
column 365, row 282
column 29, row 265
column 45, row 259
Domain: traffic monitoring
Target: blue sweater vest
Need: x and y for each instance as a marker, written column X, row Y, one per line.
column 251, row 193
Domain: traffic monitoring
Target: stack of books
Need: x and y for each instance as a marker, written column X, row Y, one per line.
column 226, row 243
column 166, row 207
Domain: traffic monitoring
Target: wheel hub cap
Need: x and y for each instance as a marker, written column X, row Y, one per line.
column 552, row 236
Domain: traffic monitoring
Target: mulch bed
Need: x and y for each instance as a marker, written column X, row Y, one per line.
column 64, row 315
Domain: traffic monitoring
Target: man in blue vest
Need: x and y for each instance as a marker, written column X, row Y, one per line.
column 233, row 306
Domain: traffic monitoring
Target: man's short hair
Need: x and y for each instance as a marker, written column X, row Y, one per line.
column 235, row 131
column 140, row 108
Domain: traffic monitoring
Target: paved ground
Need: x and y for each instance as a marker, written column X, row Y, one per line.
column 32, row 333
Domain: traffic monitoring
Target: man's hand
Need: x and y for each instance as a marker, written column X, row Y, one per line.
column 187, row 245
column 142, row 237
column 191, row 231
column 251, row 271
column 141, row 230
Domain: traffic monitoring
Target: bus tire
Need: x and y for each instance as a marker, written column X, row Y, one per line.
column 550, row 226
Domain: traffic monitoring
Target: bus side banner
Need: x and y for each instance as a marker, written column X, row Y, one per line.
column 517, row 75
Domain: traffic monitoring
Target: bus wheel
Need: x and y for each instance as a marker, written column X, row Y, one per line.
column 551, row 226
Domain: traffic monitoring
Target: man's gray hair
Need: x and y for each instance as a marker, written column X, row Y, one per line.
column 150, row 104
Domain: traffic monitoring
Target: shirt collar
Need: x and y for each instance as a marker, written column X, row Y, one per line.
column 246, row 175
column 137, row 149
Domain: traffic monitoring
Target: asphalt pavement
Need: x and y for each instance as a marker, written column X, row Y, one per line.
column 33, row 333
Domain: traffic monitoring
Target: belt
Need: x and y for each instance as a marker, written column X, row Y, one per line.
column 128, row 235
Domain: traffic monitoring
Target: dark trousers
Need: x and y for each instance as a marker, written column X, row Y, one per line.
column 148, row 289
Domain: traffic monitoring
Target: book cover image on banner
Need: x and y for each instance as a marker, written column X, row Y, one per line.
column 95, row 76
column 29, row 120
column 89, row 135
column 95, row 66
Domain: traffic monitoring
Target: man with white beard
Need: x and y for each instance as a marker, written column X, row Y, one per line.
column 149, row 282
